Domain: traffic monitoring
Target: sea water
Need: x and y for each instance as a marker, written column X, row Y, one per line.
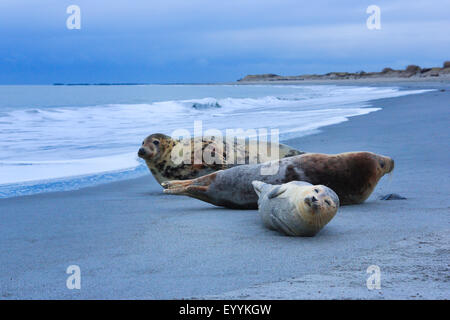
column 55, row 138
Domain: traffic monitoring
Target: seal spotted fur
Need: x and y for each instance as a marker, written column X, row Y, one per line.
column 157, row 148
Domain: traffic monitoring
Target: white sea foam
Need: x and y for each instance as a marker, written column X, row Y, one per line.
column 26, row 171
column 60, row 142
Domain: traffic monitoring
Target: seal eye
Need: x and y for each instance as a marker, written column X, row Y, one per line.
column 143, row 142
column 328, row 202
column 155, row 142
column 316, row 190
column 382, row 164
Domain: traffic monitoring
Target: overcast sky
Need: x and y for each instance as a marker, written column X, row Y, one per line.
column 172, row 41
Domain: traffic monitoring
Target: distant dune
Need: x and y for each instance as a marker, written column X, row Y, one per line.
column 410, row 72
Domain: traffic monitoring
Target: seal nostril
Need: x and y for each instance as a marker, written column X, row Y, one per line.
column 141, row 152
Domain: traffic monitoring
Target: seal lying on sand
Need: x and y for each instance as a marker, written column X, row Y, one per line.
column 296, row 208
column 157, row 149
column 352, row 175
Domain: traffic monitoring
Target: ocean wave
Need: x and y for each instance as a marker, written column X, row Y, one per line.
column 203, row 106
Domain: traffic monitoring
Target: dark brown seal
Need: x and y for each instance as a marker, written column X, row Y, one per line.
column 157, row 149
column 353, row 176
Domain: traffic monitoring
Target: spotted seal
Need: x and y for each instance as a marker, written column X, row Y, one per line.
column 296, row 208
column 157, row 151
column 353, row 176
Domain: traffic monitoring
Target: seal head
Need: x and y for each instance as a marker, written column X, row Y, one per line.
column 156, row 150
column 317, row 205
column 296, row 208
column 153, row 145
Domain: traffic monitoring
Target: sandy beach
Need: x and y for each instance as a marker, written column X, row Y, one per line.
column 131, row 241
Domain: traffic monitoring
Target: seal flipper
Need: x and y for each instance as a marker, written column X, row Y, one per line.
column 276, row 191
column 189, row 190
column 195, row 188
column 281, row 226
column 176, row 184
column 258, row 186
column 262, row 188
column 271, row 190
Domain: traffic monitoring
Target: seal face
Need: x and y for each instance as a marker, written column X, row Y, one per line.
column 158, row 149
column 353, row 176
column 296, row 208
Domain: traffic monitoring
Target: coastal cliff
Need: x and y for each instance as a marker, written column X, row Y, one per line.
column 411, row 71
